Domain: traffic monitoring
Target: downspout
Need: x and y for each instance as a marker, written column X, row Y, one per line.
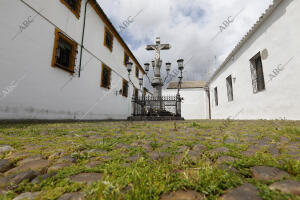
column 82, row 39
column 209, row 105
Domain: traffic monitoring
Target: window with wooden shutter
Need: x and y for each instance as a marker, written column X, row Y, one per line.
column 257, row 74
column 105, row 77
column 229, row 88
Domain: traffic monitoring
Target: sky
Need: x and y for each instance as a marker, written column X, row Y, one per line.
column 202, row 32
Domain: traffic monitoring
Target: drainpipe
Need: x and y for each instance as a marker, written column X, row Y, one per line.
column 82, row 39
column 208, row 96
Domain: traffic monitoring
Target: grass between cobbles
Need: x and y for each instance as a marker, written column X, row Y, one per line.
column 145, row 178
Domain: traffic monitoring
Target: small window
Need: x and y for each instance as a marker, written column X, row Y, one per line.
column 229, row 88
column 108, row 39
column 105, row 77
column 137, row 71
column 64, row 52
column 125, row 88
column 73, row 5
column 216, row 96
column 126, row 58
column 257, row 73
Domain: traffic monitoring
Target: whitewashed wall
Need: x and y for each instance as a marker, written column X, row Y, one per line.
column 39, row 91
column 195, row 104
column 281, row 98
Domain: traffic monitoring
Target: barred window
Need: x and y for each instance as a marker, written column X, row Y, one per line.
column 257, row 74
column 126, row 58
column 125, row 88
column 64, row 52
column 216, row 96
column 105, row 76
column 229, row 88
column 108, row 39
column 73, row 5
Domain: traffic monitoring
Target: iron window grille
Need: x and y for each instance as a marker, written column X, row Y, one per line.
column 64, row 52
column 73, row 5
column 216, row 96
column 105, row 77
column 229, row 88
column 108, row 39
column 257, row 74
column 125, row 88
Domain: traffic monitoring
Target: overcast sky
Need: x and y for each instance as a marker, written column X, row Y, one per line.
column 192, row 27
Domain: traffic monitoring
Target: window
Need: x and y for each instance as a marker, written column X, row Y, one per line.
column 105, row 77
column 229, row 88
column 73, row 5
column 216, row 96
column 64, row 52
column 126, row 58
column 137, row 72
column 125, row 88
column 257, row 74
column 108, row 39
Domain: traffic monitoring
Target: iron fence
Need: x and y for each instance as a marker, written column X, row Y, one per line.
column 156, row 106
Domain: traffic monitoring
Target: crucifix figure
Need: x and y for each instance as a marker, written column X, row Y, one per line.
column 157, row 81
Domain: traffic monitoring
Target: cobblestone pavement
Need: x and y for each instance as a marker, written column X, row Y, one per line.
column 186, row 160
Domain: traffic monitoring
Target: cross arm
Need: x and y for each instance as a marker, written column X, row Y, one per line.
column 151, row 47
column 165, row 46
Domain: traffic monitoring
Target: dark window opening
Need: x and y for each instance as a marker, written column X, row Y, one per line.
column 73, row 4
column 126, row 59
column 108, row 39
column 136, row 92
column 258, row 81
column 137, row 72
column 125, row 88
column 229, row 88
column 257, row 74
column 260, row 74
column 105, row 77
column 216, row 96
column 63, row 53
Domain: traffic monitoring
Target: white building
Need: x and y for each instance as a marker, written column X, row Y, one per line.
column 260, row 77
column 40, row 57
column 195, row 103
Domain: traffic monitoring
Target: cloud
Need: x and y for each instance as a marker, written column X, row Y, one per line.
column 189, row 26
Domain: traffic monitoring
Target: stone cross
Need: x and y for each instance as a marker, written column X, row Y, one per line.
column 157, row 81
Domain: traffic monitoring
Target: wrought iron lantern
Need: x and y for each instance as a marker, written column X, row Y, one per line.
column 153, row 64
column 168, row 67
column 129, row 67
column 147, row 67
column 180, row 64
